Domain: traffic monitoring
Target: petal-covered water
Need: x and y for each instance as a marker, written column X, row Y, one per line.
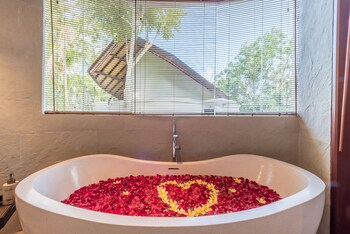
column 172, row 195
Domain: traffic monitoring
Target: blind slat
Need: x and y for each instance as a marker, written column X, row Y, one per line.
column 171, row 57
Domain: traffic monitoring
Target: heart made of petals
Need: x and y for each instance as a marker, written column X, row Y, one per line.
column 201, row 210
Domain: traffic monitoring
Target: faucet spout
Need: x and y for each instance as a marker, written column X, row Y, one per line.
column 176, row 147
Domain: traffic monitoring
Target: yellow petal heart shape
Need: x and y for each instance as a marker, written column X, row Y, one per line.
column 196, row 211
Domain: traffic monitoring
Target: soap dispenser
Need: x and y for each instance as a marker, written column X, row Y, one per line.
column 8, row 190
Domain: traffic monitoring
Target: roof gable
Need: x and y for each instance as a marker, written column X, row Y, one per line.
column 109, row 69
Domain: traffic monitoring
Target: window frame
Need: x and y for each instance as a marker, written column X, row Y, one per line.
column 121, row 113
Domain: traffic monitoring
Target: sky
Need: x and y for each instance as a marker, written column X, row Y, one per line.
column 211, row 34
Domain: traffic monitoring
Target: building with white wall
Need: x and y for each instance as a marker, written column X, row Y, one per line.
column 163, row 83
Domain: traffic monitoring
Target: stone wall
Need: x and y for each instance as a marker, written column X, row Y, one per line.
column 314, row 92
column 31, row 141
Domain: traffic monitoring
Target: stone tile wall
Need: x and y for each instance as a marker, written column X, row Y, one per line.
column 31, row 141
column 314, row 92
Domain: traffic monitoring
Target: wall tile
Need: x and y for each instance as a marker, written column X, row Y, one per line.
column 20, row 24
column 315, row 74
column 314, row 92
column 43, row 149
column 33, row 140
column 9, row 155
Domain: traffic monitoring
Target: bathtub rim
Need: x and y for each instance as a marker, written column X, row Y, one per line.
column 39, row 201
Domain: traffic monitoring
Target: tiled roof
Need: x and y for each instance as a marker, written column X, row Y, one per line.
column 109, row 69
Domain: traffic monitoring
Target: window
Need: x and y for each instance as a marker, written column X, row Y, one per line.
column 170, row 57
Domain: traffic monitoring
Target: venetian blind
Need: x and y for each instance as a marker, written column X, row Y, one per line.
column 170, row 57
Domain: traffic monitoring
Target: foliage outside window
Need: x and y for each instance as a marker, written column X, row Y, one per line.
column 153, row 57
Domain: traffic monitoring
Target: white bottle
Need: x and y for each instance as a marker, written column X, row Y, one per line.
column 8, row 190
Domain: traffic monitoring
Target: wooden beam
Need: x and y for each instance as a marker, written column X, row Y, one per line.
column 117, row 57
column 107, row 76
column 115, row 66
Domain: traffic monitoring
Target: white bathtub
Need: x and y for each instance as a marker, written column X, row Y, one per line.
column 40, row 210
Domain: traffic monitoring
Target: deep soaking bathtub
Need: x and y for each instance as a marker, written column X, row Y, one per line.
column 38, row 198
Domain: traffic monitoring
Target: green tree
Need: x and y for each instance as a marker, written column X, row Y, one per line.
column 259, row 79
column 74, row 49
column 125, row 20
column 81, row 27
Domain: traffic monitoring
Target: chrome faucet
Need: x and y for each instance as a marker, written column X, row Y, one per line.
column 175, row 146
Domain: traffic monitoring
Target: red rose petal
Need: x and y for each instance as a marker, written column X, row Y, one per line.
column 138, row 196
